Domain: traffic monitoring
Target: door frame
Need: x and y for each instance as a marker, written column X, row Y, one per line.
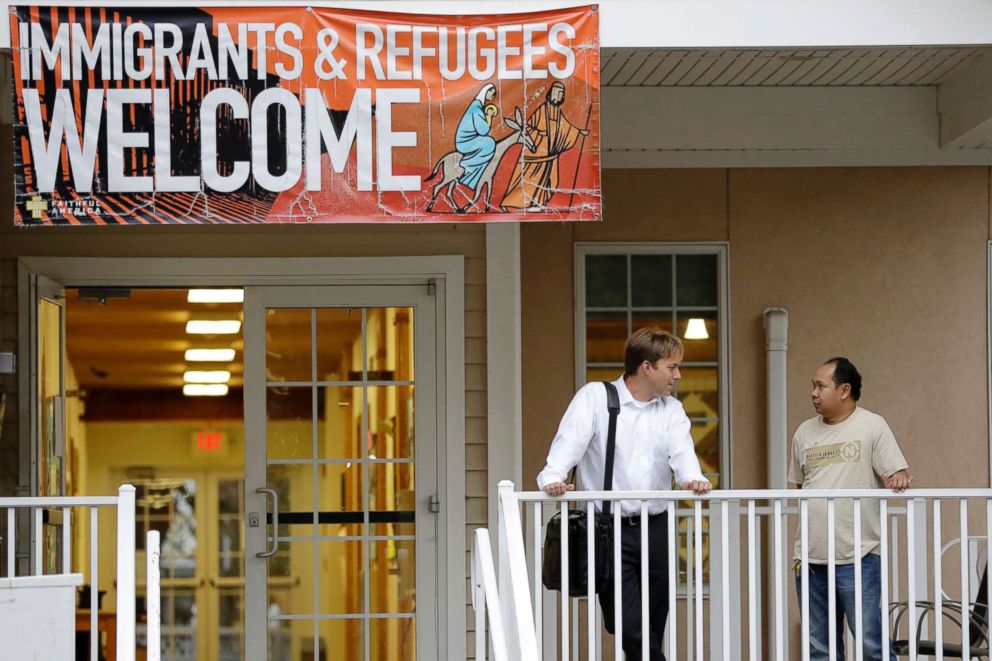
column 445, row 272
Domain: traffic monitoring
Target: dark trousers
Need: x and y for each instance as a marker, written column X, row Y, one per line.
column 630, row 562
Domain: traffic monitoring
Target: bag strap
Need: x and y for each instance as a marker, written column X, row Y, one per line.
column 613, row 405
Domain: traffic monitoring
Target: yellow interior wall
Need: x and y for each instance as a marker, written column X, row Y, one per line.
column 167, row 448
column 115, row 451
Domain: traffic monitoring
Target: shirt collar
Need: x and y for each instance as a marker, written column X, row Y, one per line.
column 625, row 397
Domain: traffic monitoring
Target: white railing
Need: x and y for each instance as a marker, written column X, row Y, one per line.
column 731, row 583
column 33, row 524
column 485, row 600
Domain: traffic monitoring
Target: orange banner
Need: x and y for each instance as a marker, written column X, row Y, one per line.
column 135, row 115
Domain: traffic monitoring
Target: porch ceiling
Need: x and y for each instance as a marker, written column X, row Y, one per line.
column 789, row 107
column 791, row 67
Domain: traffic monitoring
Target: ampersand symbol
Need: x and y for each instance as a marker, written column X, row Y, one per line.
column 328, row 67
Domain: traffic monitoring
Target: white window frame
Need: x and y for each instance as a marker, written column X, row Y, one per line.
column 988, row 350
column 721, row 249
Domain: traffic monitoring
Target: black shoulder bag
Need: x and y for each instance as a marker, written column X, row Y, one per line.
column 578, row 529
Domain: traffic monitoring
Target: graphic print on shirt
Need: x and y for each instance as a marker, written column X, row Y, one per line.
column 848, row 452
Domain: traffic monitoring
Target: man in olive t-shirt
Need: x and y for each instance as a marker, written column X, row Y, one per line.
column 844, row 447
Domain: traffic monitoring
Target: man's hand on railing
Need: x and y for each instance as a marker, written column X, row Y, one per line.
column 898, row 481
column 698, row 487
column 558, row 488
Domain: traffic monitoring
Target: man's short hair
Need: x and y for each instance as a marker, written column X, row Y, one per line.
column 650, row 344
column 846, row 372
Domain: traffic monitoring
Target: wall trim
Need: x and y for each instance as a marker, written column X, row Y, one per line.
column 504, row 382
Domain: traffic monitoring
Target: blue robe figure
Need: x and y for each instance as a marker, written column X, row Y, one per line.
column 472, row 138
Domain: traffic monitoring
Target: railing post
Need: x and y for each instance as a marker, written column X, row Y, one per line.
column 504, row 490
column 517, row 611
column 922, row 547
column 723, row 603
column 153, row 602
column 483, row 583
column 125, row 573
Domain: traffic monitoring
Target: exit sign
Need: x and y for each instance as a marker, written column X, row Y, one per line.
column 210, row 442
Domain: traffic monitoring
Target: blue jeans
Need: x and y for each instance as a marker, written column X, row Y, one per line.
column 871, row 614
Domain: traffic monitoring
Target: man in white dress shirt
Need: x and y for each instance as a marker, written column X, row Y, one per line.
column 652, row 442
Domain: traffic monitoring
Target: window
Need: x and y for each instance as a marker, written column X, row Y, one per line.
column 680, row 288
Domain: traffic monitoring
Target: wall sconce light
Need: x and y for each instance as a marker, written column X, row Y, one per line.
column 696, row 329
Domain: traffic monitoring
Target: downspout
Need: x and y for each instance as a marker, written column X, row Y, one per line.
column 776, row 321
column 776, row 354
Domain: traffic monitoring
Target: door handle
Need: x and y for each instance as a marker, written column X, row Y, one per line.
column 275, row 522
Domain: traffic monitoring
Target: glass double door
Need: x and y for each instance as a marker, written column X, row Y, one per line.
column 199, row 516
column 340, row 473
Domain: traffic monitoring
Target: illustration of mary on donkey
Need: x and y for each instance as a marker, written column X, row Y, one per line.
column 472, row 139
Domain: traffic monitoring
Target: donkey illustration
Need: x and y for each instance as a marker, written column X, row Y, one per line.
column 451, row 163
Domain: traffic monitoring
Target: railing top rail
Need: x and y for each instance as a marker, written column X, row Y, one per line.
column 56, row 501
column 757, row 494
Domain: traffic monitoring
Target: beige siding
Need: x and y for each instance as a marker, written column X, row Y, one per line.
column 476, row 512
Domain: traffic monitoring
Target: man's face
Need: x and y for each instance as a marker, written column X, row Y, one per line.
column 557, row 96
column 663, row 375
column 827, row 396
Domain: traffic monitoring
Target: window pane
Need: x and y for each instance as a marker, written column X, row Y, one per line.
column 606, row 281
column 606, row 334
column 391, row 422
column 289, row 422
column 706, row 436
column 393, row 638
column 662, row 320
column 695, row 280
column 342, row 639
column 341, row 429
column 651, row 280
column 698, row 392
column 390, row 344
column 287, row 344
column 341, row 581
column 231, row 625
column 604, row 373
column 392, row 576
column 229, row 496
column 699, row 349
column 339, row 343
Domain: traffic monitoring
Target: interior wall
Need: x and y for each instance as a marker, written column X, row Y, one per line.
column 884, row 265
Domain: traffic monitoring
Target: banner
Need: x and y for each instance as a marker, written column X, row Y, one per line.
column 135, row 115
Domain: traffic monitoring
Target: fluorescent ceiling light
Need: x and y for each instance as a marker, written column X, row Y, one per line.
column 215, row 296
column 208, row 327
column 696, row 329
column 213, row 376
column 204, row 390
column 209, row 355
